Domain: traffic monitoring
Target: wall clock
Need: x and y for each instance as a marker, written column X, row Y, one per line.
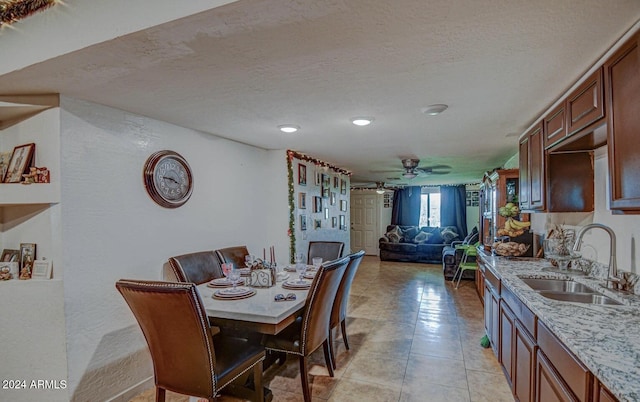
column 168, row 179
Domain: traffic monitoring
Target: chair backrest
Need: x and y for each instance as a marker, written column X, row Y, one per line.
column 328, row 250
column 232, row 254
column 199, row 267
column 174, row 323
column 317, row 310
column 339, row 311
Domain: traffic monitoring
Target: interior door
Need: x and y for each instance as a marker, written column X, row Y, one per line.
column 364, row 223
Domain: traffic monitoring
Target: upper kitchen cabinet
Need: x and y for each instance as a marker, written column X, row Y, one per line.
column 622, row 83
column 532, row 168
column 585, row 107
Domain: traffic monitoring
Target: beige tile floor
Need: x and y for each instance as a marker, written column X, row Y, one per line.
column 413, row 337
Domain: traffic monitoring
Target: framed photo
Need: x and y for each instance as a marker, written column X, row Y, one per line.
column 468, row 202
column 343, row 186
column 9, row 255
column 326, row 185
column 317, row 224
column 332, row 198
column 41, row 269
column 318, row 178
column 303, row 222
column 302, row 201
column 475, row 194
column 302, row 174
column 5, row 158
column 21, row 160
column 326, row 214
column 336, row 182
column 334, row 222
column 343, row 205
column 27, row 257
column 343, row 225
column 317, row 204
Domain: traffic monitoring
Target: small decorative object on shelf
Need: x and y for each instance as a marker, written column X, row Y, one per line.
column 31, row 177
column 41, row 269
column 43, row 175
column 5, row 273
column 27, row 256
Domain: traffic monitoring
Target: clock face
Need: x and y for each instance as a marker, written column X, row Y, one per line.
column 168, row 179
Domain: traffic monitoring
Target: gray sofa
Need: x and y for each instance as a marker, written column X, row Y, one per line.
column 415, row 244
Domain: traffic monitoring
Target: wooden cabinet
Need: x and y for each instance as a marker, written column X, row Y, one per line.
column 549, row 386
column 480, row 283
column 498, row 188
column 602, row 394
column 554, row 126
column 532, row 163
column 492, row 310
column 524, row 364
column 622, row 83
column 507, row 331
column 585, row 105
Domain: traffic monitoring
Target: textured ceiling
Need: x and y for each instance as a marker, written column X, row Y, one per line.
column 240, row 70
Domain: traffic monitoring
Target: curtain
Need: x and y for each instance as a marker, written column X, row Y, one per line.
column 453, row 208
column 406, row 206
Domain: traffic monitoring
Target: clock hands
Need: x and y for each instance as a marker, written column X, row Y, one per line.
column 170, row 178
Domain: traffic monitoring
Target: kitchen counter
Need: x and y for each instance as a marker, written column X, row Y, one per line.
column 605, row 338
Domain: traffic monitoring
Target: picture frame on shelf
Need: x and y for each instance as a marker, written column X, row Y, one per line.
column 302, row 200
column 41, row 269
column 21, row 161
column 302, row 174
column 303, row 222
column 5, row 158
column 27, row 257
column 343, row 186
column 10, row 255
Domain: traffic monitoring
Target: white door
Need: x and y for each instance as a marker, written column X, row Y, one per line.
column 364, row 223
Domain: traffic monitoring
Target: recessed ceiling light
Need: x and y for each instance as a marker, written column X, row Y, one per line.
column 362, row 121
column 433, row 110
column 288, row 128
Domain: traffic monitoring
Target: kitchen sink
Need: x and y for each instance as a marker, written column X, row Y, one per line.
column 557, row 285
column 590, row 298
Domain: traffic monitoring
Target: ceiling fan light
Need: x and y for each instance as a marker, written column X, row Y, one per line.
column 409, row 175
column 288, row 128
column 362, row 120
column 433, row 110
column 380, row 191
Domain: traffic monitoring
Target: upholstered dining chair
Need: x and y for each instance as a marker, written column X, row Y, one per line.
column 328, row 250
column 339, row 310
column 232, row 254
column 198, row 267
column 311, row 329
column 189, row 356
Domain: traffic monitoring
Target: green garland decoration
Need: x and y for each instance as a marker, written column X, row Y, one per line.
column 292, row 218
column 14, row 10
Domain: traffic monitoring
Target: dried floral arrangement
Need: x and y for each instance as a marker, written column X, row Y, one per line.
column 14, row 10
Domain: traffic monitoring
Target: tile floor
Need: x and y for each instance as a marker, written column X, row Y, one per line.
column 413, row 337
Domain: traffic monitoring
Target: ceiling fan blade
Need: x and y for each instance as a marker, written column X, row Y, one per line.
column 385, row 171
column 437, row 167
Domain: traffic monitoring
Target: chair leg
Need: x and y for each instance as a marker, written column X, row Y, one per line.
column 306, row 392
column 343, row 328
column 460, row 278
column 331, row 351
column 453, row 280
column 327, row 356
column 257, row 382
column 160, row 394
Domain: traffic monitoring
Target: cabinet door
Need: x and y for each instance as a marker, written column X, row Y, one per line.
column 536, row 169
column 525, row 183
column 585, row 105
column 622, row 78
column 480, row 284
column 549, row 387
column 524, row 367
column 555, row 128
column 495, row 323
column 602, row 394
column 507, row 327
column 488, row 325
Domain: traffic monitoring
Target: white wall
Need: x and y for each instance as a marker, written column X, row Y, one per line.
column 113, row 230
column 626, row 227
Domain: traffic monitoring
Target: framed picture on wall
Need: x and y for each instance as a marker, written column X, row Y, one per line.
column 317, row 224
column 302, row 174
column 343, row 224
column 343, row 186
column 302, row 200
column 326, row 214
column 468, row 202
column 326, row 185
column 334, row 222
column 343, row 205
column 317, row 204
column 332, row 198
column 318, row 178
column 303, row 222
column 21, row 160
column 336, row 182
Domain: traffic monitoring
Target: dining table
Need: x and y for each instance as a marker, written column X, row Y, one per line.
column 258, row 313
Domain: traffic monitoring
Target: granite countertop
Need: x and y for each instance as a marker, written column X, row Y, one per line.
column 604, row 337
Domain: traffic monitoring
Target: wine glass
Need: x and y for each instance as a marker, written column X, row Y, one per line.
column 301, row 269
column 317, row 262
column 248, row 260
column 226, row 268
column 234, row 277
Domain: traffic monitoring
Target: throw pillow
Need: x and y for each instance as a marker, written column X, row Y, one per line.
column 422, row 238
column 409, row 234
column 435, row 238
column 394, row 235
column 448, row 235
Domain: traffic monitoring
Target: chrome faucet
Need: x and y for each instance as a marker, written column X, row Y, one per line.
column 612, row 276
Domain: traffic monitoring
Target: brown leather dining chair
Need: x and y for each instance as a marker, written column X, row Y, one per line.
column 328, row 250
column 341, row 303
column 199, row 267
column 189, row 356
column 311, row 330
column 232, row 254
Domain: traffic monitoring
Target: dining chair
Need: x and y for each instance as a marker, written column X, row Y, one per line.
column 328, row 250
column 465, row 264
column 199, row 267
column 340, row 304
column 232, row 254
column 189, row 356
column 311, row 330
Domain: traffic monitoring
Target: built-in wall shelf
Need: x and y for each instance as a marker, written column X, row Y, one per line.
column 16, row 108
column 12, row 194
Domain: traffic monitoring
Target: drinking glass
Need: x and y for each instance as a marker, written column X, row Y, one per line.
column 248, row 260
column 226, row 268
column 234, row 277
column 299, row 258
column 301, row 269
column 317, row 262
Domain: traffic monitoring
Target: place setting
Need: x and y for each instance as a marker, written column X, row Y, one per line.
column 233, row 293
column 224, row 283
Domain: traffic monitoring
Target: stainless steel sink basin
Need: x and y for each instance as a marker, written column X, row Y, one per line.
column 589, row 298
column 557, row 285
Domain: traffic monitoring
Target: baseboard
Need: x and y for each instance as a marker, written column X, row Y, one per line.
column 129, row 393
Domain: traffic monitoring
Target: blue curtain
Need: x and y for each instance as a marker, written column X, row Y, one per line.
column 406, row 206
column 453, row 208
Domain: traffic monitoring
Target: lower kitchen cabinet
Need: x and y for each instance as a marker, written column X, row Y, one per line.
column 602, row 394
column 549, row 385
column 524, row 364
column 507, row 330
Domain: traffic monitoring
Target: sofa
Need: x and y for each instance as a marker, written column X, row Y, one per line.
column 451, row 256
column 415, row 244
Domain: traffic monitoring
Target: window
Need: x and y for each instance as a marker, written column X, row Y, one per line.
column 430, row 209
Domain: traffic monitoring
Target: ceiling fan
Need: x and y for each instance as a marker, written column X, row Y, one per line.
column 379, row 186
column 411, row 169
